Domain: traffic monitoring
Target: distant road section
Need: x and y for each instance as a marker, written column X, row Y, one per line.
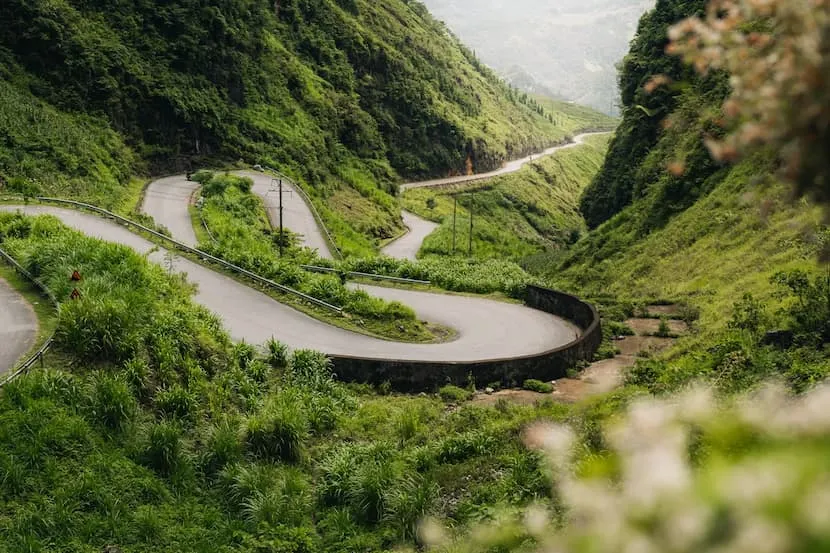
column 510, row 167
column 408, row 245
column 167, row 200
column 18, row 327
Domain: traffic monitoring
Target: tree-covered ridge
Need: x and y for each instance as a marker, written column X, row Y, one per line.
column 627, row 175
column 305, row 84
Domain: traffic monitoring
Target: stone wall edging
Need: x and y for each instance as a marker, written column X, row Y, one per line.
column 418, row 376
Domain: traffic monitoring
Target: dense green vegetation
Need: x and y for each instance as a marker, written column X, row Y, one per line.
column 626, row 175
column 515, row 215
column 239, row 232
column 690, row 230
column 346, row 97
column 149, row 431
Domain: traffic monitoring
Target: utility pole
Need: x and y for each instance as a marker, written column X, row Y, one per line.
column 281, row 231
column 470, row 249
column 454, row 213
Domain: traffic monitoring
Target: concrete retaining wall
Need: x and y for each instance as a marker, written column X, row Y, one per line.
column 413, row 376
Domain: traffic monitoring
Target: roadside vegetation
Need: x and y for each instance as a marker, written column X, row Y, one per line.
column 533, row 210
column 241, row 234
column 149, row 430
column 346, row 98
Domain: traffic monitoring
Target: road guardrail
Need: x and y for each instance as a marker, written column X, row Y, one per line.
column 202, row 254
column 38, row 355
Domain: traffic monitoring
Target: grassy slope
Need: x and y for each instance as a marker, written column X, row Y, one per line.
column 727, row 243
column 159, row 441
column 515, row 215
column 348, row 98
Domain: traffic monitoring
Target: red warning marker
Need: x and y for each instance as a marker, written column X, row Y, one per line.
column 76, row 276
column 75, row 295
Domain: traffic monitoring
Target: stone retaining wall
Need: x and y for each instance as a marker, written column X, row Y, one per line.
column 415, row 376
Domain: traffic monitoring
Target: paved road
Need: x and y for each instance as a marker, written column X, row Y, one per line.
column 487, row 329
column 166, row 200
column 408, row 245
column 510, row 167
column 297, row 216
column 18, row 327
column 169, row 199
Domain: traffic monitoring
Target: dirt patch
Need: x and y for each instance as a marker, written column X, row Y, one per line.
column 602, row 376
column 664, row 311
column 644, row 327
column 633, row 345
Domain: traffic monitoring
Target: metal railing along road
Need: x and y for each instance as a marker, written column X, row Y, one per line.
column 204, row 255
column 329, row 270
column 38, row 355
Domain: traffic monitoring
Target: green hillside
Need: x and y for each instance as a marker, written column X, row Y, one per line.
column 348, row 97
column 533, row 210
column 729, row 240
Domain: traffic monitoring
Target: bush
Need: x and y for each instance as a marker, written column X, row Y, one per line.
column 277, row 354
column 176, row 401
column 202, row 176
column 113, row 404
column 454, row 394
column 537, row 386
column 164, row 451
column 224, row 446
column 409, row 502
column 663, row 330
column 277, row 432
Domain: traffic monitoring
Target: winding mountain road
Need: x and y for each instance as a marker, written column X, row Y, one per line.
column 487, row 329
column 18, row 327
column 507, row 168
column 408, row 245
column 167, row 201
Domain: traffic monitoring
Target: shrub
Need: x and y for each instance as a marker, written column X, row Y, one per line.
column 164, row 451
column 277, row 433
column 409, row 502
column 137, row 374
column 454, row 394
column 368, row 490
column 336, row 472
column 407, row 425
column 201, row 176
column 460, row 447
column 277, row 354
column 224, row 446
column 113, row 404
column 663, row 330
column 175, row 401
column 537, row 386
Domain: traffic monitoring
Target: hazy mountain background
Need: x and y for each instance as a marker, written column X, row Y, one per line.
column 564, row 48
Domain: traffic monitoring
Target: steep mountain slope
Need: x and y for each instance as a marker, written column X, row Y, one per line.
column 674, row 225
column 345, row 95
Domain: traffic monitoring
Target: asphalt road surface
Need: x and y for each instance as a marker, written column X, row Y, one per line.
column 510, row 167
column 408, row 245
column 486, row 329
column 18, row 327
column 167, row 201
